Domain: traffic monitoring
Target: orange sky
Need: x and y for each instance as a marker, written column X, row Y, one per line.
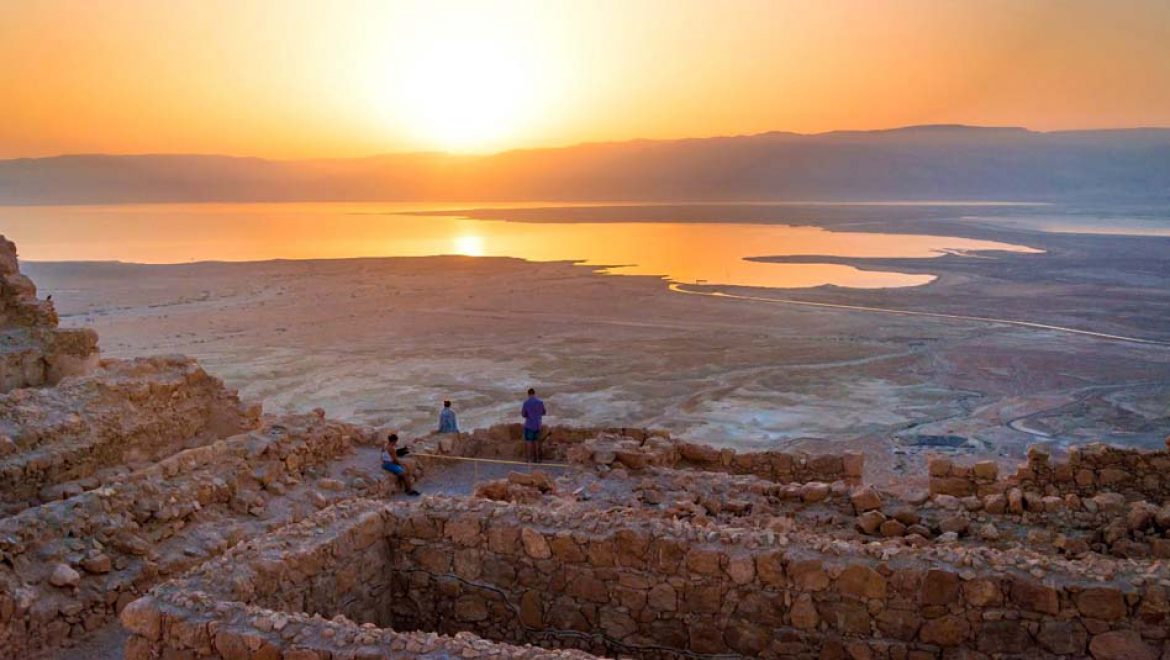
column 293, row 78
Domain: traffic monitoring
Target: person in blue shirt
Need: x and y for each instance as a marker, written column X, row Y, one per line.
column 391, row 464
column 447, row 421
column 533, row 413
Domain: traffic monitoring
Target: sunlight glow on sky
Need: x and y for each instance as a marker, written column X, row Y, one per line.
column 301, row 78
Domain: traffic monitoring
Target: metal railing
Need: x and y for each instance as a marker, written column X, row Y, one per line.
column 497, row 461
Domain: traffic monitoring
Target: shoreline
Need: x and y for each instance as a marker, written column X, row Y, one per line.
column 385, row 339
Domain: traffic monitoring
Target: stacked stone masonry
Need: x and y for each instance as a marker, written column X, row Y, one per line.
column 61, row 441
column 313, row 591
column 70, row 565
column 615, row 584
column 1089, row 470
column 1103, row 499
column 638, row 449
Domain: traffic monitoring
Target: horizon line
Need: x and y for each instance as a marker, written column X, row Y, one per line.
column 489, row 154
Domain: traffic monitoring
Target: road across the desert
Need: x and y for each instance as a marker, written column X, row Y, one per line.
column 678, row 288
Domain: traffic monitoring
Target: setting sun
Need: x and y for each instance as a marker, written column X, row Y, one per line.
column 464, row 81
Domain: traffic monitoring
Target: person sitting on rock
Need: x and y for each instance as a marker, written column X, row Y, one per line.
column 391, row 464
column 447, row 422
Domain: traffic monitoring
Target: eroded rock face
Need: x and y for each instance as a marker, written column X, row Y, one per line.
column 33, row 350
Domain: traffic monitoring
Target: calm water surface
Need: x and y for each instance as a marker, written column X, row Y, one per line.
column 711, row 253
column 1082, row 224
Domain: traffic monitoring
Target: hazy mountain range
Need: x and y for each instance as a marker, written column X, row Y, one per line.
column 919, row 162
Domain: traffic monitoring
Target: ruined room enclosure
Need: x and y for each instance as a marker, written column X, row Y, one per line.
column 651, row 547
column 69, row 565
column 370, row 579
column 1103, row 502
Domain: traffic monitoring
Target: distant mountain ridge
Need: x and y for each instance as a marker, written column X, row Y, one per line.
column 910, row 163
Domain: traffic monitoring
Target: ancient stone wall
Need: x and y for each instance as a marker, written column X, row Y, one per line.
column 619, row 584
column 1090, row 469
column 1096, row 468
column 57, row 442
column 69, row 565
column 637, row 449
column 314, row 591
column 506, row 441
column 33, row 351
column 1103, row 499
column 778, row 466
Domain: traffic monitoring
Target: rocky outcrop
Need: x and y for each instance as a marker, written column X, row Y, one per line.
column 33, row 350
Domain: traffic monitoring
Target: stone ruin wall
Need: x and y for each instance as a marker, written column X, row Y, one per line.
column 1115, row 500
column 1096, row 468
column 638, row 449
column 615, row 585
column 70, row 565
column 775, row 465
column 62, row 441
column 33, row 350
column 1089, row 470
column 312, row 592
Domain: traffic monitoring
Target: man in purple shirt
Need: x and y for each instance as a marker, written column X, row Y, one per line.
column 532, row 411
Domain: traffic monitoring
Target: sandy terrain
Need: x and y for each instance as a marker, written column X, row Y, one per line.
column 383, row 341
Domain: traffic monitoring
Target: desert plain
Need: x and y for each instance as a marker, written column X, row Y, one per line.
column 383, row 341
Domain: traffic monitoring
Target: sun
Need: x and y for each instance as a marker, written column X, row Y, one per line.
column 469, row 245
column 464, row 90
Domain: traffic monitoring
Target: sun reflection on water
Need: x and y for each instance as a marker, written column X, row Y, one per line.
column 469, row 245
column 685, row 252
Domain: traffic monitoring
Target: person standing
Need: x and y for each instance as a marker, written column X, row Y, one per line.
column 447, row 421
column 533, row 412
